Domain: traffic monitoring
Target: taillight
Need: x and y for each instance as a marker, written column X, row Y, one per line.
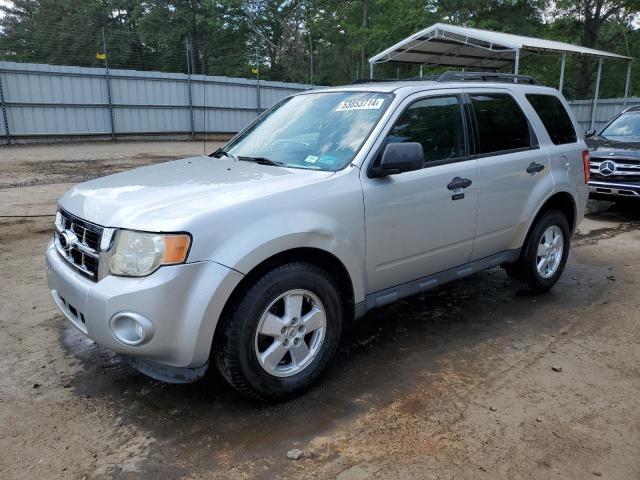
column 586, row 165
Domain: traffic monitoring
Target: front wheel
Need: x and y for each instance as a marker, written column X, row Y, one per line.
column 281, row 333
column 544, row 254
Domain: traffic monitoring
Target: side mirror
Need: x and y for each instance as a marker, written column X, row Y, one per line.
column 398, row 158
column 589, row 133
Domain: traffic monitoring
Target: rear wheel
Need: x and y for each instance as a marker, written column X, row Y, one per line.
column 282, row 333
column 544, row 254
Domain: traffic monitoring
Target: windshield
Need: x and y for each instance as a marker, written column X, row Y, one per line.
column 321, row 131
column 625, row 128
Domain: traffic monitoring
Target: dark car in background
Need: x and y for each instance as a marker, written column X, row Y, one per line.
column 615, row 158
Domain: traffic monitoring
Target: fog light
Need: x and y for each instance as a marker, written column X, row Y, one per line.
column 131, row 328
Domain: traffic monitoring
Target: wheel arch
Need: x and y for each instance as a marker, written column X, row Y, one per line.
column 316, row 256
column 564, row 202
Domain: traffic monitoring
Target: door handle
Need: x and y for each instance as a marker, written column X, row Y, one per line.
column 535, row 168
column 458, row 182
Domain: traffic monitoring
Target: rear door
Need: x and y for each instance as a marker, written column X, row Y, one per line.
column 416, row 225
column 511, row 167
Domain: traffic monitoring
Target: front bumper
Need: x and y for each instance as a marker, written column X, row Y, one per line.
column 183, row 302
column 614, row 190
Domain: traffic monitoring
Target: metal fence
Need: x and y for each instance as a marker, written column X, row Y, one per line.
column 46, row 102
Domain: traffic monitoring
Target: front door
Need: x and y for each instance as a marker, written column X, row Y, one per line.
column 422, row 222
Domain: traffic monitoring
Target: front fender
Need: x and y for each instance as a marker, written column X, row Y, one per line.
column 279, row 233
column 327, row 215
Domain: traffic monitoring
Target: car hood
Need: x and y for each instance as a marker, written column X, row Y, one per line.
column 167, row 196
column 602, row 148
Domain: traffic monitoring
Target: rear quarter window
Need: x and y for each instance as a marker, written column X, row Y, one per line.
column 554, row 118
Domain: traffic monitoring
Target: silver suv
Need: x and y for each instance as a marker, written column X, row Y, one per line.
column 331, row 203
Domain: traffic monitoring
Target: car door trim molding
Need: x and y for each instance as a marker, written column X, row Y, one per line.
column 392, row 294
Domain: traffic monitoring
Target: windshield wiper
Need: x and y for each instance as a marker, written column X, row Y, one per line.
column 220, row 152
column 261, row 160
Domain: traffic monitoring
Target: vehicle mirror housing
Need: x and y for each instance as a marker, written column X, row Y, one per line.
column 399, row 158
column 589, row 133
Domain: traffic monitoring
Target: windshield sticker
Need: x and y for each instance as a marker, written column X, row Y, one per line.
column 311, row 159
column 327, row 160
column 367, row 104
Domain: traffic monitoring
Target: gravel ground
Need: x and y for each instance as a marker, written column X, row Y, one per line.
column 457, row 383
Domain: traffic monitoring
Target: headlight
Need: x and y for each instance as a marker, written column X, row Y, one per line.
column 137, row 254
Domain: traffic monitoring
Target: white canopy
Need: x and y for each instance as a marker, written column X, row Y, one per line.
column 462, row 47
column 443, row 44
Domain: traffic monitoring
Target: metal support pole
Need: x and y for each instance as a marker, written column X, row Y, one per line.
column 204, row 105
column 108, row 79
column 190, row 87
column 4, row 114
column 370, row 70
column 626, row 85
column 564, row 62
column 516, row 66
column 420, row 71
column 595, row 96
column 258, row 106
column 311, row 58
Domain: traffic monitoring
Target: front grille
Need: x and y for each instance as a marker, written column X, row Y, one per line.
column 78, row 241
column 615, row 178
column 625, row 169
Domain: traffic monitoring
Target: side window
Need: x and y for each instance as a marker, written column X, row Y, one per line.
column 554, row 118
column 436, row 123
column 501, row 123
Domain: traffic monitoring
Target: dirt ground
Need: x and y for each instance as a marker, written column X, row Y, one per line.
column 456, row 383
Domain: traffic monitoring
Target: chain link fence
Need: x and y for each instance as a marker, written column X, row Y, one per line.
column 127, row 50
column 143, row 82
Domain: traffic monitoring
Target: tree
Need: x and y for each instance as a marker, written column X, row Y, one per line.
column 585, row 21
column 229, row 37
column 277, row 34
column 50, row 31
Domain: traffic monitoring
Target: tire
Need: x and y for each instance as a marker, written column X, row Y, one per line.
column 525, row 270
column 264, row 306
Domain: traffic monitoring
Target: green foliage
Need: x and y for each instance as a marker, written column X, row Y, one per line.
column 521, row 17
column 283, row 37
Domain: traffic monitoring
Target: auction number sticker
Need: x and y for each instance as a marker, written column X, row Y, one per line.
column 365, row 104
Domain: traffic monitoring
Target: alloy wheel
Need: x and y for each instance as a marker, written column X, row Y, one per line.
column 290, row 333
column 550, row 250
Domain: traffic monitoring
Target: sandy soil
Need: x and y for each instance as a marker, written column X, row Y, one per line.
column 457, row 383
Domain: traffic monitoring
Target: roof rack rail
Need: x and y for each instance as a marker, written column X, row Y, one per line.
column 453, row 76
column 387, row 80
